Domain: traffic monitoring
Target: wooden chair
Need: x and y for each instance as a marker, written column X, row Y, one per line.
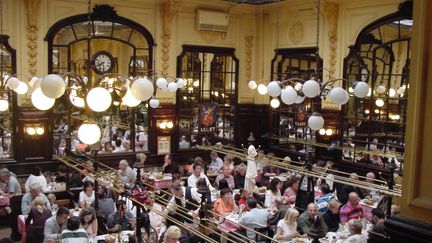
column 63, row 202
column 260, row 238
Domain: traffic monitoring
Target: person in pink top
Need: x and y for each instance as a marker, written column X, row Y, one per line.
column 352, row 209
column 291, row 192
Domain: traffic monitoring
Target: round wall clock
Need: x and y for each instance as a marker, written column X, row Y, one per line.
column 102, row 62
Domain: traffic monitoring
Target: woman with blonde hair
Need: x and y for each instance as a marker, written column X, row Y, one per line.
column 287, row 227
column 172, row 234
column 39, row 213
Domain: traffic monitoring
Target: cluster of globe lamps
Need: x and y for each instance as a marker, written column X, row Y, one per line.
column 296, row 94
column 47, row 89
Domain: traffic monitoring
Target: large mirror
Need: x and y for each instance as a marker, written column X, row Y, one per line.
column 289, row 122
column 207, row 103
column 376, row 124
column 93, row 50
column 7, row 68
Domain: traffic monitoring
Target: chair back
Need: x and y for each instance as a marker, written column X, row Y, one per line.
column 377, row 237
column 259, row 237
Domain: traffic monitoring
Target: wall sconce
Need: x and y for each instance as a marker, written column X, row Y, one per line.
column 165, row 124
column 35, row 131
column 326, row 132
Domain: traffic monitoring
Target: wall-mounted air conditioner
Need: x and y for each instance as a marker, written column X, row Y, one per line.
column 211, row 20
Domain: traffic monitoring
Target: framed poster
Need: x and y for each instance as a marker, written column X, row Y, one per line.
column 207, row 117
column 163, row 145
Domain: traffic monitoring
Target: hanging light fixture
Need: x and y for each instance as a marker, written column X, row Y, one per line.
column 132, row 91
column 275, row 103
column 316, row 121
column 311, row 88
column 89, row 133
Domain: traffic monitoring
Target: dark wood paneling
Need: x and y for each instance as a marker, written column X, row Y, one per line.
column 401, row 229
column 33, row 148
column 163, row 112
column 251, row 118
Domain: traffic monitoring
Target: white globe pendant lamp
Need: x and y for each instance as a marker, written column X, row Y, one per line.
column 274, row 89
column 154, row 103
column 142, row 89
column 129, row 100
column 172, row 87
column 162, row 83
column 252, row 84
column 381, row 89
column 180, row 83
column 262, row 89
column 339, row 96
column 275, row 103
column 316, row 121
column 40, row 101
column 22, row 88
column 299, row 99
column 99, row 99
column 311, row 88
column 361, row 89
column 289, row 95
column 4, row 105
column 13, row 83
column 89, row 133
column 53, row 86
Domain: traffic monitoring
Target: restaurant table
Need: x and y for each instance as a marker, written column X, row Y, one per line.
column 162, row 183
column 229, row 224
column 124, row 236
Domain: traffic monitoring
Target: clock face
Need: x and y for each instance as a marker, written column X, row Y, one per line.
column 102, row 62
column 364, row 74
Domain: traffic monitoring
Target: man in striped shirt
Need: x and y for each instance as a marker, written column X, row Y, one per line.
column 73, row 233
column 352, row 209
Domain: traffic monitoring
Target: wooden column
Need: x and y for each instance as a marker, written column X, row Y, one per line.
column 414, row 222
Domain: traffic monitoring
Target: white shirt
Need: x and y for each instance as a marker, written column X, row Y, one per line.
column 74, row 143
column 194, row 193
column 84, row 198
column 216, row 165
column 270, row 198
column 286, row 229
column 184, row 144
column 119, row 150
column 356, row 239
column 192, row 180
column 36, row 179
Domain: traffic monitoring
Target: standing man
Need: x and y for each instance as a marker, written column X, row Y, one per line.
column 216, row 162
column 12, row 186
column 186, row 197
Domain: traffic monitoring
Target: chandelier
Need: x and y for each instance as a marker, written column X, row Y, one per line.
column 97, row 95
column 295, row 90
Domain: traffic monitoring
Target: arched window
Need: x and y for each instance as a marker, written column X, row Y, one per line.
column 381, row 57
column 75, row 43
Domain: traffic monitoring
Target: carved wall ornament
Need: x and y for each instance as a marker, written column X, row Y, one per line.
column 330, row 11
column 209, row 36
column 167, row 11
column 248, row 52
column 296, row 32
column 32, row 7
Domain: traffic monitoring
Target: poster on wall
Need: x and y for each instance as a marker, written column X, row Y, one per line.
column 163, row 145
column 300, row 118
column 207, row 117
